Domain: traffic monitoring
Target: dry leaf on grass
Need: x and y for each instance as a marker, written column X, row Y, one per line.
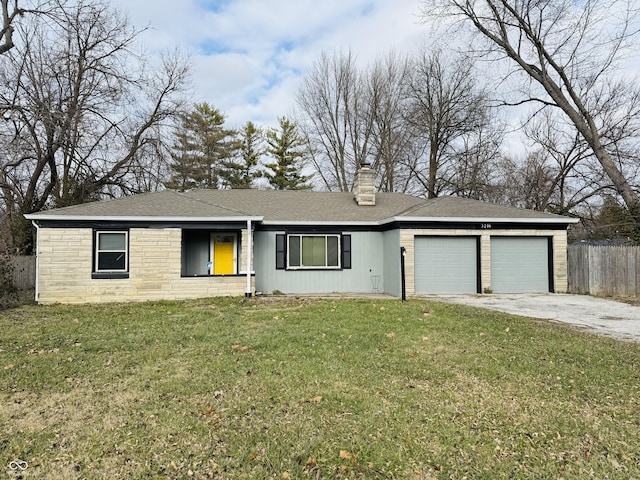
column 348, row 456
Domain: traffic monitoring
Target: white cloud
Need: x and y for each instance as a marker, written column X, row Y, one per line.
column 249, row 56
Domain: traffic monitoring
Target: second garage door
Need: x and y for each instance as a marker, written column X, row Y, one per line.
column 446, row 265
column 520, row 265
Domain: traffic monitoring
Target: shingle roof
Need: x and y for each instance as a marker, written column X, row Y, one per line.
column 457, row 207
column 166, row 204
column 289, row 206
column 307, row 205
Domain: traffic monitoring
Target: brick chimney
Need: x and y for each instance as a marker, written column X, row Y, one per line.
column 363, row 189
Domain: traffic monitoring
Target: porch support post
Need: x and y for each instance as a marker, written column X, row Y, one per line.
column 249, row 255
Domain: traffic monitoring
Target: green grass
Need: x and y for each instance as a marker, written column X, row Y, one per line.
column 302, row 388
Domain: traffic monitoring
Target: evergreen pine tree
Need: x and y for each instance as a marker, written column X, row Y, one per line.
column 185, row 162
column 241, row 171
column 286, row 147
column 202, row 146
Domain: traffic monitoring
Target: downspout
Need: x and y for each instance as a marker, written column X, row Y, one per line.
column 35, row 224
column 249, row 260
column 403, row 280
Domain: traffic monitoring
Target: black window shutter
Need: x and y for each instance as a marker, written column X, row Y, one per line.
column 281, row 252
column 346, row 251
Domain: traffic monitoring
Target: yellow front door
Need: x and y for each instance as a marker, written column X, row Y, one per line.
column 223, row 254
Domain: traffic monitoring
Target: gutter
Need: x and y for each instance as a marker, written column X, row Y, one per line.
column 120, row 218
column 260, row 219
column 560, row 220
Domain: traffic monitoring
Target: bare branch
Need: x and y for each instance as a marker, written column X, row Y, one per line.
column 570, row 51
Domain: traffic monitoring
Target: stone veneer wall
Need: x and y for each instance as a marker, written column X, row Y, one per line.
column 65, row 266
column 559, row 252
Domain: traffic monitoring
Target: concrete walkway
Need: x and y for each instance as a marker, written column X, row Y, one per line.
column 606, row 317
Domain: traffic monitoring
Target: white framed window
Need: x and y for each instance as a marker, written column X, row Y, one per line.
column 313, row 251
column 111, row 251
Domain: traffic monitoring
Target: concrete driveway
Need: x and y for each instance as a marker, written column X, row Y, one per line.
column 603, row 316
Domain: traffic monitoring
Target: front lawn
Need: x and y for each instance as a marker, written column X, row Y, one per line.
column 308, row 388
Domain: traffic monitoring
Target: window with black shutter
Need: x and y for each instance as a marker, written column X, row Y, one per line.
column 346, row 251
column 281, row 251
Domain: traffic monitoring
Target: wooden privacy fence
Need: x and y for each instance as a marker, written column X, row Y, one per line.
column 24, row 272
column 604, row 270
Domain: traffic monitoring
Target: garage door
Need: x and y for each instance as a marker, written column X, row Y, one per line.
column 446, row 265
column 520, row 265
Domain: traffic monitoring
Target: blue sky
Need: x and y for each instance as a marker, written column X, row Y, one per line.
column 249, row 56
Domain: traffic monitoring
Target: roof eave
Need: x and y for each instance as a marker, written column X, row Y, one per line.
column 308, row 223
column 301, row 223
column 560, row 221
column 128, row 218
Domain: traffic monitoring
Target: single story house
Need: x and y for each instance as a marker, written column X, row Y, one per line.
column 201, row 243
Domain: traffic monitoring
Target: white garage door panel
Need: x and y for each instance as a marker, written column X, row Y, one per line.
column 446, row 265
column 520, row 265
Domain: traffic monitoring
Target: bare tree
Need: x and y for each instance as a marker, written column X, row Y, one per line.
column 9, row 12
column 82, row 109
column 568, row 52
column 527, row 183
column 393, row 138
column 575, row 174
column 335, row 119
column 452, row 113
column 395, row 114
column 558, row 173
column 475, row 158
column 12, row 10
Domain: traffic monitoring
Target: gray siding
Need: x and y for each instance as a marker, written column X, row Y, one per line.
column 366, row 258
column 392, row 282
